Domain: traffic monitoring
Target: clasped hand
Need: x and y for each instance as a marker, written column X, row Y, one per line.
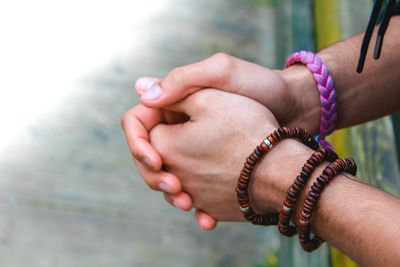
column 191, row 143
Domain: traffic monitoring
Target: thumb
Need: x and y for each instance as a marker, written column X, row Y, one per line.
column 144, row 84
column 219, row 71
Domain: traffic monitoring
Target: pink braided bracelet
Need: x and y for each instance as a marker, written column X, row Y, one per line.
column 326, row 91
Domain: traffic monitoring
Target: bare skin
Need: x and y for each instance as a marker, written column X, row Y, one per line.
column 290, row 95
column 354, row 217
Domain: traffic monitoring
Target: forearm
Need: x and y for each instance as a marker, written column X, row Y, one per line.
column 376, row 91
column 361, row 221
column 354, row 217
column 360, row 97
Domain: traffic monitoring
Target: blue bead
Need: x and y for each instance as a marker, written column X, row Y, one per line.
column 267, row 142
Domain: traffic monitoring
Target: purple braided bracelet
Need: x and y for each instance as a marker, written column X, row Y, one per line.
column 326, row 91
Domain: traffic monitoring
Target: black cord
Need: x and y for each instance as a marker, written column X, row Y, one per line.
column 368, row 34
column 382, row 29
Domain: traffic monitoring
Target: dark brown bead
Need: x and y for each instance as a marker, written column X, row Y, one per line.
column 329, row 171
column 312, row 199
column 316, row 187
column 248, row 166
column 243, row 202
column 245, row 173
column 302, row 179
column 307, row 209
column 296, row 187
column 254, row 157
column 291, row 198
column 338, row 166
column 240, row 191
column 312, row 161
column 298, row 183
column 321, row 180
column 244, row 176
column 309, row 204
column 244, row 181
column 242, row 196
column 250, row 161
column 275, row 136
column 281, row 133
column 291, row 193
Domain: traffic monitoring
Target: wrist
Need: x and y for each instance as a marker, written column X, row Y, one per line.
column 302, row 86
column 274, row 174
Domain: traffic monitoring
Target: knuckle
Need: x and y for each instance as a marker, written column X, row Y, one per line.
column 224, row 67
column 137, row 155
column 128, row 116
column 124, row 119
column 224, row 61
column 148, row 177
column 177, row 75
column 154, row 134
column 221, row 56
column 156, row 138
column 151, row 182
column 201, row 100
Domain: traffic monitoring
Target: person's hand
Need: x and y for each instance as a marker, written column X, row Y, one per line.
column 287, row 93
column 290, row 94
column 207, row 152
column 137, row 123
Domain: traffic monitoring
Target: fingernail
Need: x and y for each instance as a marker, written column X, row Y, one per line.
column 164, row 187
column 152, row 93
column 144, row 84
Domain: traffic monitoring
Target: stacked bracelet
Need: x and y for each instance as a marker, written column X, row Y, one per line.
column 282, row 219
column 326, row 90
column 252, row 160
column 319, row 156
column 333, row 169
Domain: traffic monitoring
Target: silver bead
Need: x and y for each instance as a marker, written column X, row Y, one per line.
column 246, row 209
column 304, row 222
column 287, row 209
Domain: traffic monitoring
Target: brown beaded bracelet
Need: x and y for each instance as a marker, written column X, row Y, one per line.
column 252, row 160
column 322, row 154
column 333, row 169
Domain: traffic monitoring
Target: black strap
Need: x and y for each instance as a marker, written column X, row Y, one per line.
column 389, row 11
column 382, row 29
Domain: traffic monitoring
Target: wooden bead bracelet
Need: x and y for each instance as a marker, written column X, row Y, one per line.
column 293, row 193
column 332, row 170
column 245, row 176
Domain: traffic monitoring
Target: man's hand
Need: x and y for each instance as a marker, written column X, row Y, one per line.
column 288, row 94
column 137, row 123
column 207, row 152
